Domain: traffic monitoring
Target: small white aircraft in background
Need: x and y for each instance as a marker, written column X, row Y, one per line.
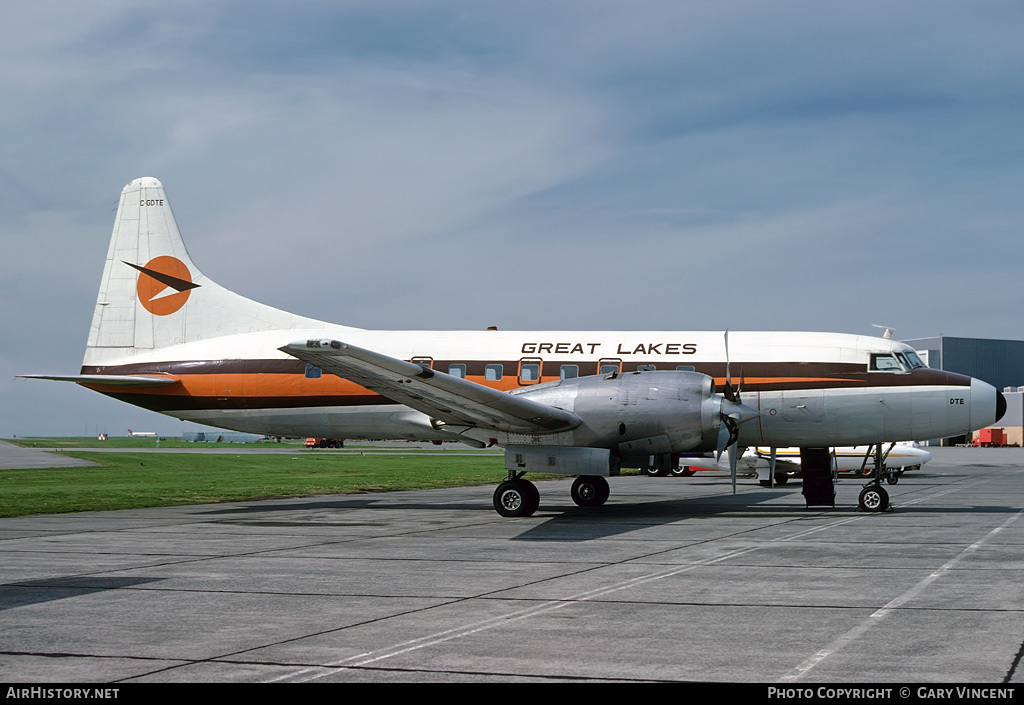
column 897, row 459
column 140, row 434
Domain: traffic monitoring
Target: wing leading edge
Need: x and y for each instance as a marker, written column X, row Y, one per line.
column 450, row 399
column 110, row 380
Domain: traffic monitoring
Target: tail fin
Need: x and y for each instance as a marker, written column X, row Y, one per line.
column 152, row 295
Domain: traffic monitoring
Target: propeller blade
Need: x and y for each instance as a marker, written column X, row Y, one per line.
column 728, row 376
column 734, row 454
column 729, row 393
column 724, row 434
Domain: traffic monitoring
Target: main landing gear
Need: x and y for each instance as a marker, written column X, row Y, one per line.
column 677, row 471
column 516, row 497
column 590, row 491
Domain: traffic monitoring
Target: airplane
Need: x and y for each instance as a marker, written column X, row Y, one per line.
column 898, row 458
column 167, row 338
column 140, row 434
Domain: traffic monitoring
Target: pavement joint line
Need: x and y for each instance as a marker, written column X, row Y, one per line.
column 805, row 529
column 367, row 658
column 364, row 659
column 872, row 620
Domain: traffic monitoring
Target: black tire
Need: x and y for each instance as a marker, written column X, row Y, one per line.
column 873, row 498
column 781, row 478
column 516, row 498
column 681, row 471
column 653, row 472
column 892, row 478
column 533, row 494
column 590, row 491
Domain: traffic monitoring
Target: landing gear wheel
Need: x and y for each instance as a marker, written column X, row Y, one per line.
column 681, row 471
column 892, row 478
column 781, row 478
column 590, row 491
column 654, row 472
column 516, row 498
column 873, row 498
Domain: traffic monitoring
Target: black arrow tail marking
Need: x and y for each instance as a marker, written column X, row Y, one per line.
column 166, row 279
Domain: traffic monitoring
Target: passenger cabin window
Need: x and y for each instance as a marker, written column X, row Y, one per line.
column 885, row 363
column 493, row 372
column 529, row 372
column 313, row 372
column 646, row 368
column 685, row 368
column 424, row 362
column 458, row 370
column 569, row 371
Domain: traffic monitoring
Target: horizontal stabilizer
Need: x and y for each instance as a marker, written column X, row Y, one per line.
column 110, row 380
column 452, row 400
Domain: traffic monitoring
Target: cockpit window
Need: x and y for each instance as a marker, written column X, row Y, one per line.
column 885, row 363
column 914, row 360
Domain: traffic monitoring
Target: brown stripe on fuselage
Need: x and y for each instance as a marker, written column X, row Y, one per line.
column 551, row 368
column 262, row 384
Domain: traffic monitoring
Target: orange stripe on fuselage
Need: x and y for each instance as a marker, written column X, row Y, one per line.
column 265, row 385
column 238, row 385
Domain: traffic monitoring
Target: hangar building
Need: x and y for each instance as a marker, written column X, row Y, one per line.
column 998, row 362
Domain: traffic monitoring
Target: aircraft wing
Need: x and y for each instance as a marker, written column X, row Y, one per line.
column 110, row 380
column 451, row 399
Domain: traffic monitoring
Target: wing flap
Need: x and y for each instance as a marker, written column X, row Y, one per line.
column 453, row 400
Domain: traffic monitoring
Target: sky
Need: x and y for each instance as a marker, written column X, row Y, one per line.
column 533, row 165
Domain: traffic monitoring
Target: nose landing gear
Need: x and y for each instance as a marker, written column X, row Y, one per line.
column 874, row 498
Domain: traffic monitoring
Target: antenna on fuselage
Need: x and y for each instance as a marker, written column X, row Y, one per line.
column 889, row 330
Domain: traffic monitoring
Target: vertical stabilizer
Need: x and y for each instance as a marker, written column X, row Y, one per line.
column 153, row 296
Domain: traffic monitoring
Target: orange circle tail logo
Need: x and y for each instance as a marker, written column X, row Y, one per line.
column 164, row 285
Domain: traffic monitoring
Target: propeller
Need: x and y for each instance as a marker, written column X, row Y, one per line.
column 732, row 413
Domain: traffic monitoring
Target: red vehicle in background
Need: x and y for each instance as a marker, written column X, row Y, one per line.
column 325, row 442
column 989, row 438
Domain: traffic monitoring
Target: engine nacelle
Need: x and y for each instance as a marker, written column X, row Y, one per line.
column 634, row 415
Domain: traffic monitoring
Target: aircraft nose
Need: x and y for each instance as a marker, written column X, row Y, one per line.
column 987, row 404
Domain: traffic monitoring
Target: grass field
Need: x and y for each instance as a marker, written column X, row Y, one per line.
column 136, row 442
column 128, row 480
column 121, row 442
